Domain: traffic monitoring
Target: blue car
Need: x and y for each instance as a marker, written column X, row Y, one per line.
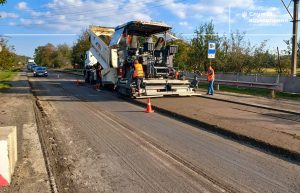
column 40, row 71
column 30, row 66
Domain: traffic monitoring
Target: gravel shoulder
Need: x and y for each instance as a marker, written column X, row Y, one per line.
column 16, row 109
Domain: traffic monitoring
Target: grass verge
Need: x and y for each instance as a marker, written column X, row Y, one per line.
column 255, row 92
column 5, row 78
column 273, row 71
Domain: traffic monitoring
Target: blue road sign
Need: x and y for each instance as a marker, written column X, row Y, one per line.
column 212, row 49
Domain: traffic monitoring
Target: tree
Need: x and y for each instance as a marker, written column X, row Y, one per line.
column 2, row 2
column 182, row 57
column 199, row 46
column 52, row 56
column 44, row 55
column 261, row 58
column 80, row 47
column 62, row 56
column 8, row 59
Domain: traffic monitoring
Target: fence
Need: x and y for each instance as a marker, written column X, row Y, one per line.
column 289, row 84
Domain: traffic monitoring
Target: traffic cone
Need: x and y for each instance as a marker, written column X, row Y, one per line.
column 149, row 108
column 77, row 82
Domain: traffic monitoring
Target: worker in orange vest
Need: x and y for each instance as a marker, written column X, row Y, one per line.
column 98, row 77
column 177, row 75
column 210, row 79
column 138, row 75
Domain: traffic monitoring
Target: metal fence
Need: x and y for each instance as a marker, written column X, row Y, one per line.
column 289, row 84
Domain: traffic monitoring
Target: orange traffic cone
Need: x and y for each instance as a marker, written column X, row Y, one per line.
column 149, row 108
column 77, row 82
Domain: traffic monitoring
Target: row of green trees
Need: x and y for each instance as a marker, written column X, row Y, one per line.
column 8, row 59
column 62, row 56
column 53, row 56
column 234, row 53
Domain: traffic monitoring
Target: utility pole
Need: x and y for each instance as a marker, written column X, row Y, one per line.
column 279, row 62
column 295, row 39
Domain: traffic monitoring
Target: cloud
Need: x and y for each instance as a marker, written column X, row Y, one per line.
column 37, row 13
column 66, row 15
column 74, row 15
column 27, row 22
column 22, row 6
column 12, row 24
column 213, row 8
column 5, row 15
column 183, row 23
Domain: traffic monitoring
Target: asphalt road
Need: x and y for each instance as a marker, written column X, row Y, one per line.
column 141, row 152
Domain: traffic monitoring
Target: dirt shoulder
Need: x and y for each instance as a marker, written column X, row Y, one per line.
column 16, row 109
column 270, row 127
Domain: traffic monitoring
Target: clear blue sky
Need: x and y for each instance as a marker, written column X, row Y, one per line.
column 31, row 23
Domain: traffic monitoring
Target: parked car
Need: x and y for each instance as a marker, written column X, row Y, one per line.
column 40, row 71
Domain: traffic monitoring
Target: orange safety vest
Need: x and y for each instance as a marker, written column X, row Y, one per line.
column 177, row 75
column 138, row 70
column 210, row 74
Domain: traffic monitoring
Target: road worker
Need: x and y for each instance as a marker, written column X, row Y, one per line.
column 210, row 79
column 138, row 75
column 98, row 77
column 177, row 75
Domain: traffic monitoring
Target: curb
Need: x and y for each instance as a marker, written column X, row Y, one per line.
column 252, row 105
column 246, row 140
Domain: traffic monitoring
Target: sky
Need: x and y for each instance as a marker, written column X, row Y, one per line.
column 31, row 23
